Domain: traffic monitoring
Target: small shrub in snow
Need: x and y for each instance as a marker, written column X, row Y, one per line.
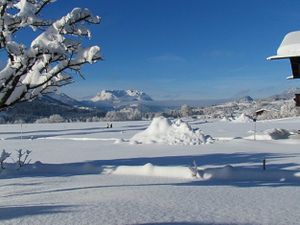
column 3, row 157
column 185, row 110
column 23, row 157
column 194, row 169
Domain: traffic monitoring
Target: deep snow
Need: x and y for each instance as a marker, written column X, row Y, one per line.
column 85, row 178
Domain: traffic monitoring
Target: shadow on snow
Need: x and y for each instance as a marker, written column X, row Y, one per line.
column 13, row 212
column 251, row 175
column 80, row 132
column 187, row 223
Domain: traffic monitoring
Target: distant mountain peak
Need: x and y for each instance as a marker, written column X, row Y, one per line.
column 121, row 96
column 246, row 99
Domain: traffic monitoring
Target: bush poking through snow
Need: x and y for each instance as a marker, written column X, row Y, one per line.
column 3, row 157
column 23, row 157
column 194, row 169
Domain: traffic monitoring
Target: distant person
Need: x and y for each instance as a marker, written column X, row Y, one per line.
column 107, row 125
column 110, row 125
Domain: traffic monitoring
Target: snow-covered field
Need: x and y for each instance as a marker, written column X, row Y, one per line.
column 89, row 174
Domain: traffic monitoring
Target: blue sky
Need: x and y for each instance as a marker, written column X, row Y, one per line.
column 187, row 49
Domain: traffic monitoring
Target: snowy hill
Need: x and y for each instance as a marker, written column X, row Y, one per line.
column 121, row 96
column 63, row 98
column 47, row 105
column 286, row 95
column 274, row 107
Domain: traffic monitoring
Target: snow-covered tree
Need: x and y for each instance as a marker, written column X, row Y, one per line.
column 4, row 155
column 46, row 63
column 56, row 118
column 124, row 114
column 185, row 110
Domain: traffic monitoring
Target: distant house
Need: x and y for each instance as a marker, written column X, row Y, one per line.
column 262, row 111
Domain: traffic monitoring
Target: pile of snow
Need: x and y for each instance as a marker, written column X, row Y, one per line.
column 272, row 134
column 121, row 95
column 148, row 169
column 276, row 133
column 233, row 174
column 226, row 119
column 243, row 118
column 162, row 130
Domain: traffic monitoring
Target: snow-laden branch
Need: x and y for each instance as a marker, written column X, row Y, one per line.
column 41, row 67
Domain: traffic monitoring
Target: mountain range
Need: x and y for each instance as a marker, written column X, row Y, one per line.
column 118, row 96
column 110, row 100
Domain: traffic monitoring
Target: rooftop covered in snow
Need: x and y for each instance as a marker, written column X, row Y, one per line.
column 289, row 47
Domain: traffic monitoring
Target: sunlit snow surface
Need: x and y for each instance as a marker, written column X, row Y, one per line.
column 86, row 178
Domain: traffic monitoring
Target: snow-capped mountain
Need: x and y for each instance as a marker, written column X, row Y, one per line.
column 121, row 96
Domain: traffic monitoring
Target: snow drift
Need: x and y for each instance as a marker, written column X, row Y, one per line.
column 272, row 134
column 162, row 130
column 148, row 169
column 243, row 118
column 226, row 173
column 226, row 119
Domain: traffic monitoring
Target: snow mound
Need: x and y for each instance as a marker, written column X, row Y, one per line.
column 233, row 174
column 162, row 130
column 272, row 134
column 148, row 169
column 276, row 133
column 226, row 173
column 243, row 118
column 226, row 119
